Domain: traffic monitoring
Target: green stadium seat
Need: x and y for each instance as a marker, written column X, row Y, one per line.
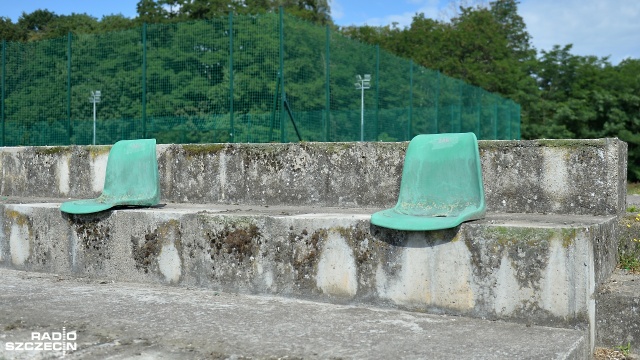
column 441, row 185
column 131, row 179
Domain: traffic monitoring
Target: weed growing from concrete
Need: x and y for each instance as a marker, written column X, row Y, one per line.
column 616, row 353
column 624, row 349
column 629, row 247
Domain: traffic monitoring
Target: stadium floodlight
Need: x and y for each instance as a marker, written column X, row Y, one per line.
column 94, row 98
column 362, row 84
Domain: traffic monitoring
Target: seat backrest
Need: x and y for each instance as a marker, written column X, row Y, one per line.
column 132, row 173
column 442, row 176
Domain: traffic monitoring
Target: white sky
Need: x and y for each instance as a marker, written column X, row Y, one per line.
column 594, row 27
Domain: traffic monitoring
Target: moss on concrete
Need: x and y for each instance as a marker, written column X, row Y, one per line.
column 553, row 143
column 98, row 150
column 203, row 149
column 146, row 252
column 509, row 236
column 571, row 143
column 52, row 150
column 17, row 217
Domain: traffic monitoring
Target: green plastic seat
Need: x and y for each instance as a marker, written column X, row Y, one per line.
column 131, row 179
column 441, row 185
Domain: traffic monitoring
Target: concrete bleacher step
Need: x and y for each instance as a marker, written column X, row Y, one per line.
column 618, row 311
column 122, row 320
column 526, row 268
column 293, row 220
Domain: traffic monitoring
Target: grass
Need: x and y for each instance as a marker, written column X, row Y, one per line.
column 629, row 247
column 624, row 349
column 629, row 262
column 633, row 188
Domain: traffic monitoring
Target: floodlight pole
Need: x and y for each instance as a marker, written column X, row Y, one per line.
column 362, row 84
column 95, row 98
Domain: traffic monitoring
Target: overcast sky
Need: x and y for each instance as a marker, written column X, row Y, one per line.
column 594, row 27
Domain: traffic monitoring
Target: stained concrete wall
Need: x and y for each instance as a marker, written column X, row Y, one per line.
column 504, row 266
column 293, row 220
column 531, row 269
column 582, row 177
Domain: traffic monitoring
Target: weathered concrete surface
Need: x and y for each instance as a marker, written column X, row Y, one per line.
column 532, row 269
column 293, row 220
column 580, row 177
column 123, row 320
column 618, row 298
column 555, row 176
column 618, row 311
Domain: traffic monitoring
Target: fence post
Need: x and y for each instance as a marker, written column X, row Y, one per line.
column 509, row 121
column 518, row 122
column 69, row 87
column 410, row 99
column 327, row 117
column 4, row 74
column 377, row 120
column 460, row 105
column 144, row 80
column 495, row 117
column 231, row 125
column 478, row 111
column 283, row 137
column 437, row 100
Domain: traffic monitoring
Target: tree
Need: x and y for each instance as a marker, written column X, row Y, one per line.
column 154, row 11
column 35, row 23
column 151, row 11
column 10, row 31
column 116, row 22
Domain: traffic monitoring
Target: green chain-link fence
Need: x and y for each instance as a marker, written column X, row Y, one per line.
column 266, row 78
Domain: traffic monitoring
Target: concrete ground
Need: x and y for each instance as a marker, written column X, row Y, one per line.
column 128, row 320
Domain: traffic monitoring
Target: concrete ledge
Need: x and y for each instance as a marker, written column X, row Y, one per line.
column 581, row 177
column 124, row 321
column 618, row 311
column 532, row 269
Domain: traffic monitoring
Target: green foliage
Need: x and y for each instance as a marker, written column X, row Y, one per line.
column 10, row 31
column 629, row 246
column 633, row 188
column 624, row 349
column 204, row 81
column 160, row 11
column 629, row 262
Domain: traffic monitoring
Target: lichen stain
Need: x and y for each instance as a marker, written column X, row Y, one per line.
column 162, row 248
column 337, row 272
column 200, row 150
column 235, row 241
column 306, row 254
column 94, row 237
